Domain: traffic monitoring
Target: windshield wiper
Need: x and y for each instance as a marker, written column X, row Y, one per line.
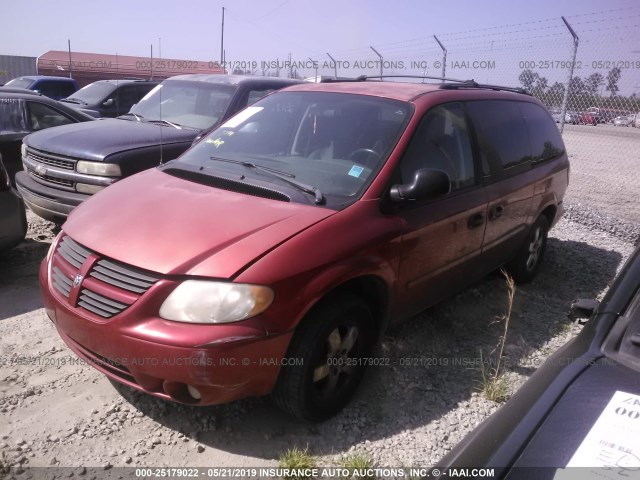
column 73, row 100
column 138, row 117
column 286, row 176
column 174, row 125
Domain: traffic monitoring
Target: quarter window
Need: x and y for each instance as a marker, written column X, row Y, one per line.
column 441, row 142
column 546, row 141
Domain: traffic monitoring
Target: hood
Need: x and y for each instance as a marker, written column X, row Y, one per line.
column 168, row 225
column 99, row 139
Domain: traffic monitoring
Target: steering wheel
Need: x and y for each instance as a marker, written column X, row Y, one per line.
column 366, row 153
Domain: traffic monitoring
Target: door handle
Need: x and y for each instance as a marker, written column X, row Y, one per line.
column 495, row 212
column 475, row 220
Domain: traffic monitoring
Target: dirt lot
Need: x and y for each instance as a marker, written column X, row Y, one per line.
column 56, row 411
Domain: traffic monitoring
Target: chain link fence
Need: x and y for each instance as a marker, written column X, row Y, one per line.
column 585, row 68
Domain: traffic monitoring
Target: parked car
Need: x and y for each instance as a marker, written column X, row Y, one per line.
column 572, row 117
column 270, row 256
column 636, row 121
column 23, row 112
column 159, row 128
column 13, row 220
column 109, row 98
column 52, row 87
column 588, row 118
column 579, row 409
column 623, row 120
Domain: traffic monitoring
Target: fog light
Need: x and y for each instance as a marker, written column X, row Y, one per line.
column 193, row 391
column 88, row 189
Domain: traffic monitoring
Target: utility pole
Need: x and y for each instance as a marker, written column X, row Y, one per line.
column 152, row 61
column 70, row 67
column 222, row 41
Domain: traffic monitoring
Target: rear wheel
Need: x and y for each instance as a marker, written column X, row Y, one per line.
column 327, row 359
column 524, row 267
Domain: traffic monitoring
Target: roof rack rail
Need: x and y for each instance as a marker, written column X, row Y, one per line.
column 363, row 78
column 474, row 84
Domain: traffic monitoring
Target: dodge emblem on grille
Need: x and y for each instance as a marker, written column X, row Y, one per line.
column 42, row 170
column 77, row 280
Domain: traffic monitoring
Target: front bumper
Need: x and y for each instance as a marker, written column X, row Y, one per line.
column 49, row 203
column 165, row 358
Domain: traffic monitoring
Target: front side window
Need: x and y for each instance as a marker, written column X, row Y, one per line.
column 333, row 141
column 198, row 105
column 441, row 142
column 42, row 116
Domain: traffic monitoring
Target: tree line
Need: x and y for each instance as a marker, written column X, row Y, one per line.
column 595, row 90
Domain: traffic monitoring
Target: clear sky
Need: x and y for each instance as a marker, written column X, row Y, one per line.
column 509, row 32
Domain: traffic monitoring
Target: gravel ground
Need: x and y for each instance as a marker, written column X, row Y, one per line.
column 55, row 411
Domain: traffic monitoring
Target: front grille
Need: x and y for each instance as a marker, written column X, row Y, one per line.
column 52, row 180
column 100, row 305
column 109, row 288
column 123, row 276
column 61, row 282
column 53, row 160
column 72, row 252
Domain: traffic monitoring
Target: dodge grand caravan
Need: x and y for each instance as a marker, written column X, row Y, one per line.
column 271, row 256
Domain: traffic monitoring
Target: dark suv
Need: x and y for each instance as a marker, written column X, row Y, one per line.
column 271, row 255
column 65, row 168
column 52, row 87
column 109, row 98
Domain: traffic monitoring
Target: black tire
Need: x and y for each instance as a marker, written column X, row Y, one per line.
column 524, row 267
column 322, row 342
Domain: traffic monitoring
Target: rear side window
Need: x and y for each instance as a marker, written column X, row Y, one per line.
column 49, row 89
column 502, row 134
column 546, row 141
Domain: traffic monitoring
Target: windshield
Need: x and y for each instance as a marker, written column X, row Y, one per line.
column 334, row 142
column 93, row 93
column 197, row 105
column 19, row 83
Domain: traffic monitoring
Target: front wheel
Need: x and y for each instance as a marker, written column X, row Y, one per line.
column 326, row 359
column 524, row 267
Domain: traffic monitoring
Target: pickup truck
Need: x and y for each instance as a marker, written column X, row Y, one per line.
column 67, row 165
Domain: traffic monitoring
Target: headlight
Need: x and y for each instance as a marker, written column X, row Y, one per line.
column 23, row 150
column 197, row 301
column 98, row 168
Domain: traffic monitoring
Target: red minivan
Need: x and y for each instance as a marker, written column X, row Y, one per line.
column 270, row 256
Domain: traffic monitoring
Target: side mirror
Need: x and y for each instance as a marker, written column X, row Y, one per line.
column 108, row 103
column 427, row 183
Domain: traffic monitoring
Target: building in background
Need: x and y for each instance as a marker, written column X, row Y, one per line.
column 12, row 66
column 89, row 67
